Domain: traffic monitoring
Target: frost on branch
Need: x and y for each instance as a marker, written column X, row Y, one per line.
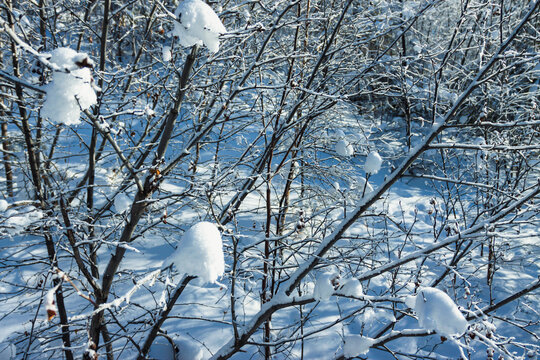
column 436, row 311
column 198, row 24
column 200, row 253
column 71, row 88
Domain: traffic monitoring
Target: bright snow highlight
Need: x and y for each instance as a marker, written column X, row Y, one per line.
column 71, row 89
column 3, row 205
column 198, row 24
column 352, row 287
column 373, row 163
column 437, row 312
column 200, row 253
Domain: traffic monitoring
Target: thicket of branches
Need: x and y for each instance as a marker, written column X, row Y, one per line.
column 446, row 92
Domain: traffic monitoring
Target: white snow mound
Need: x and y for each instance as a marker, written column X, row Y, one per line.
column 343, row 148
column 71, row 89
column 200, row 253
column 356, row 345
column 373, row 163
column 352, row 287
column 436, row 311
column 198, row 24
column 3, row 205
column 324, row 287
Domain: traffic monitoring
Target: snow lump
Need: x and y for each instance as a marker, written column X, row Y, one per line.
column 325, row 286
column 436, row 311
column 356, row 345
column 200, row 253
column 352, row 287
column 198, row 24
column 373, row 163
column 71, row 88
column 343, row 148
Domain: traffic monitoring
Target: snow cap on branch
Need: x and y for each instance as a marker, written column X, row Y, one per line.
column 352, row 287
column 198, row 24
column 436, row 311
column 71, row 89
column 373, row 163
column 325, row 286
column 344, row 148
column 356, row 345
column 200, row 253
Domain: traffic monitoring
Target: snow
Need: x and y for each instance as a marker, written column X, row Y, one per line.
column 352, row 287
column 200, row 253
column 71, row 89
column 50, row 305
column 8, row 351
column 324, row 286
column 343, row 148
column 3, row 205
column 161, row 349
column 198, row 24
column 373, row 163
column 436, row 311
column 122, row 203
column 356, row 345
column 166, row 53
column 188, row 349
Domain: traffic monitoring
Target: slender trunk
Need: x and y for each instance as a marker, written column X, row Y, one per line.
column 163, row 316
column 140, row 203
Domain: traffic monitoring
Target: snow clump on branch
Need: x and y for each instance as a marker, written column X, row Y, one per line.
column 71, row 89
column 343, row 148
column 356, row 345
column 325, row 286
column 436, row 311
column 373, row 163
column 198, row 24
column 200, row 253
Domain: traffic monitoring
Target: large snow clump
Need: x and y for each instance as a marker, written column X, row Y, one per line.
column 198, row 24
column 356, row 345
column 71, row 89
column 325, row 285
column 200, row 253
column 436, row 311
column 373, row 163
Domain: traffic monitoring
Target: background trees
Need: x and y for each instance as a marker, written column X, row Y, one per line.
column 445, row 91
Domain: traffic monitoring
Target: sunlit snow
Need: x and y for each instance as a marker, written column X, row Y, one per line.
column 436, row 311
column 198, row 24
column 71, row 90
column 373, row 163
column 200, row 253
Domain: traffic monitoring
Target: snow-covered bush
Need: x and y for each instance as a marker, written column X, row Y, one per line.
column 351, row 153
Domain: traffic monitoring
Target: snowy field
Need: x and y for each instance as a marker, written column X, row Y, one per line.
column 270, row 180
